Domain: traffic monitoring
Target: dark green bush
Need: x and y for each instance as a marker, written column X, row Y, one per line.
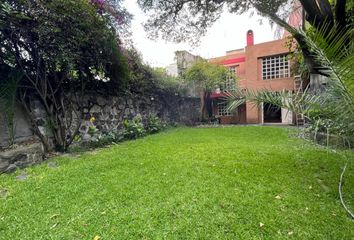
column 134, row 128
column 154, row 124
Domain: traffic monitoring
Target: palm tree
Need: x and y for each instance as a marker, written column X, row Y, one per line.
column 331, row 109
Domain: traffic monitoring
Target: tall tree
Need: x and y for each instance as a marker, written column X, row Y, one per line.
column 63, row 48
column 207, row 77
column 182, row 20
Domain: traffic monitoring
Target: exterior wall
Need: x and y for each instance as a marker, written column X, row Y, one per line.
column 254, row 55
column 252, row 113
column 172, row 70
column 239, row 117
column 22, row 127
column 185, row 60
column 249, row 75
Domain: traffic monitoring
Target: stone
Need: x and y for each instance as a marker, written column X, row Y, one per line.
column 107, row 109
column 126, row 111
column 95, row 109
column 104, row 116
column 52, row 165
column 11, row 168
column 121, row 106
column 20, row 157
column 3, row 165
column 114, row 111
column 83, row 129
column 22, row 177
column 130, row 102
column 86, row 137
column 101, row 101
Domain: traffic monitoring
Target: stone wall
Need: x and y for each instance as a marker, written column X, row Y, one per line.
column 109, row 112
column 21, row 156
column 22, row 127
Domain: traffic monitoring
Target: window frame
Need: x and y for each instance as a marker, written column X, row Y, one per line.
column 222, row 109
column 230, row 84
column 275, row 67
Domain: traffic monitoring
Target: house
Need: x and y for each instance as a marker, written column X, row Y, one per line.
column 263, row 66
column 184, row 60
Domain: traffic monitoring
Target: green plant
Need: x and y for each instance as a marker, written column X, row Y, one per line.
column 134, row 128
column 92, row 130
column 154, row 124
column 188, row 183
column 104, row 139
column 60, row 64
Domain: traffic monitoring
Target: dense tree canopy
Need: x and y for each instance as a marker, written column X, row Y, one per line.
column 189, row 19
column 183, row 20
column 63, row 49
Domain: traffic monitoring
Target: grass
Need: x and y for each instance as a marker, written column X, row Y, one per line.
column 187, row 183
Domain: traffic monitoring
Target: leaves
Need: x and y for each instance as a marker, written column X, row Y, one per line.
column 206, row 75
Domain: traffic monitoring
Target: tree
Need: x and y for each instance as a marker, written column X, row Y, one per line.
column 182, row 20
column 207, row 77
column 63, row 49
column 119, row 17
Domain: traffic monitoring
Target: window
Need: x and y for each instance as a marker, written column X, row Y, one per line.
column 275, row 67
column 230, row 83
column 222, row 109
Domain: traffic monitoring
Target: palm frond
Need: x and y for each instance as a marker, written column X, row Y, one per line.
column 334, row 58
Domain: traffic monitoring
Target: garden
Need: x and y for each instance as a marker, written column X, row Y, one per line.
column 185, row 183
column 95, row 143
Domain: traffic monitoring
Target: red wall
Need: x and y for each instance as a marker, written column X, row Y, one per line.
column 249, row 74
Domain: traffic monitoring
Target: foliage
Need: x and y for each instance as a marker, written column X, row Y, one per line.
column 206, row 75
column 169, row 84
column 134, row 128
column 180, row 20
column 103, row 139
column 144, row 79
column 154, row 124
column 119, row 16
column 188, row 183
column 60, row 63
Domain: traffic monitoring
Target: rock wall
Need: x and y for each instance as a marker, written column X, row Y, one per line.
column 22, row 127
column 109, row 112
column 20, row 157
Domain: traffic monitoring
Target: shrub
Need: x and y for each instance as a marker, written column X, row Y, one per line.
column 105, row 139
column 134, row 128
column 154, row 124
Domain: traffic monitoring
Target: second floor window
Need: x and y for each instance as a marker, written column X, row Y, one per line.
column 275, row 67
column 230, row 83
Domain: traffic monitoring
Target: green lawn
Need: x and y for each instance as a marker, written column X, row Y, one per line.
column 186, row 183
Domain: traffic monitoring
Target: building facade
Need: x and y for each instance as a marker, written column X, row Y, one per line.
column 263, row 66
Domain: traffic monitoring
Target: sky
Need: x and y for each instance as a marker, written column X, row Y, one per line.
column 228, row 33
